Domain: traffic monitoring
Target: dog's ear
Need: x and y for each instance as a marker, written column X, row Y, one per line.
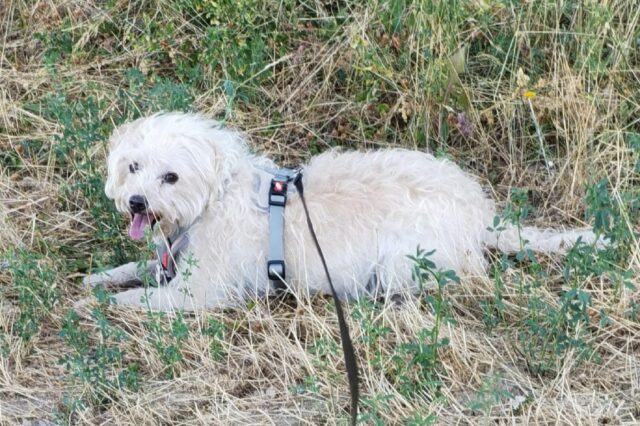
column 229, row 149
column 124, row 133
column 116, row 172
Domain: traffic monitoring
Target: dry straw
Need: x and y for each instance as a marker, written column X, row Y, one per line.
column 358, row 75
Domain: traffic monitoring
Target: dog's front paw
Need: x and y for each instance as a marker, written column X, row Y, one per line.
column 92, row 280
column 123, row 276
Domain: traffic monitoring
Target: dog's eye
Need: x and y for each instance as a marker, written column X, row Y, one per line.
column 133, row 167
column 170, row 178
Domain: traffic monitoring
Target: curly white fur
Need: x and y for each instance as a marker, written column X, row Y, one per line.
column 370, row 210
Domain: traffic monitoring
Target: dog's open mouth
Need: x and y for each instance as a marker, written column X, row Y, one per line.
column 139, row 222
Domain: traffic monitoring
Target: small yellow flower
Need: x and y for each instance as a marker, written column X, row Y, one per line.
column 529, row 94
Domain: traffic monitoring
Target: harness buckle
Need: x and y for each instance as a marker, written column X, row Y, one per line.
column 278, row 193
column 275, row 270
column 168, row 253
column 162, row 275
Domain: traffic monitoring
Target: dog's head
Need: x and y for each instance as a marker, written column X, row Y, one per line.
column 163, row 170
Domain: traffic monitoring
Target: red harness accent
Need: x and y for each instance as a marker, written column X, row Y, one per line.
column 165, row 260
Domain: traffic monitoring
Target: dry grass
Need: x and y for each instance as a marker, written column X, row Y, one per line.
column 316, row 75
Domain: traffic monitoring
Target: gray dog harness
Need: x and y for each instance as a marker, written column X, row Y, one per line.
column 275, row 183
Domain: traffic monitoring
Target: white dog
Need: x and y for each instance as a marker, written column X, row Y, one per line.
column 193, row 184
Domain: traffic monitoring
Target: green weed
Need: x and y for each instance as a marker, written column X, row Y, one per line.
column 490, row 394
column 374, row 332
column 167, row 336
column 372, row 408
column 417, row 362
column 34, row 286
column 95, row 361
column 215, row 330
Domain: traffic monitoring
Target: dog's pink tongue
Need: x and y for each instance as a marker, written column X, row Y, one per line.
column 138, row 223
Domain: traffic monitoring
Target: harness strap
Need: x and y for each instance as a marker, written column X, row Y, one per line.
column 277, row 201
column 168, row 255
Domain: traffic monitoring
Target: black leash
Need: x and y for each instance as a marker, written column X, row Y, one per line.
column 347, row 345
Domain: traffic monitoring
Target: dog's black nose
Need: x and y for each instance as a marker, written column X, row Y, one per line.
column 137, row 204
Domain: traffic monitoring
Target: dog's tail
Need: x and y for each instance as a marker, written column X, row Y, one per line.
column 547, row 241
